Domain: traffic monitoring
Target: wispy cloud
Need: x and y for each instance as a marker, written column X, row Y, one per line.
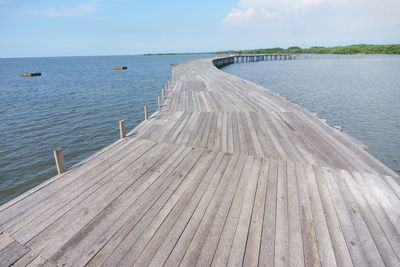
column 239, row 16
column 383, row 10
column 303, row 5
column 79, row 10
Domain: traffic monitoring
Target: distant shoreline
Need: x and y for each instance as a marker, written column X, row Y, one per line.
column 390, row 49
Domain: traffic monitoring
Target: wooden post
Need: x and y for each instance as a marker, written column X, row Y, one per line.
column 122, row 129
column 60, row 163
column 145, row 112
column 166, row 88
column 162, row 94
column 158, row 101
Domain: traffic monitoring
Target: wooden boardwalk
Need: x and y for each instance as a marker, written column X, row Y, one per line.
column 225, row 173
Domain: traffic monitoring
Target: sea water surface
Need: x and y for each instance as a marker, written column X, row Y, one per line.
column 76, row 104
column 359, row 93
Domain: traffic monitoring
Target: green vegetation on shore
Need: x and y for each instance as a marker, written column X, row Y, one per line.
column 351, row 49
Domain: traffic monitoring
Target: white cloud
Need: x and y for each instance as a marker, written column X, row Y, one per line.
column 240, row 16
column 366, row 9
column 78, row 10
column 324, row 22
column 304, row 4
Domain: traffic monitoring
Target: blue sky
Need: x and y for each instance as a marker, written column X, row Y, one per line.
column 122, row 27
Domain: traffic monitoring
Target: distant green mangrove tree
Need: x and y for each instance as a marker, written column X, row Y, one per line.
column 351, row 49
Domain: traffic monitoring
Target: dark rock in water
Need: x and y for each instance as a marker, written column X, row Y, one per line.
column 119, row 68
column 30, row 74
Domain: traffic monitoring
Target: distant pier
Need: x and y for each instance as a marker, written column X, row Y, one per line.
column 220, row 63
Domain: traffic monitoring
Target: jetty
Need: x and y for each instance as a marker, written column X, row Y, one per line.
column 225, row 173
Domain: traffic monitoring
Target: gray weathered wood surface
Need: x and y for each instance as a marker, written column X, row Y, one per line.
column 224, row 173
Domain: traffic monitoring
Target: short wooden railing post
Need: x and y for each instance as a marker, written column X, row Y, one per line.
column 60, row 163
column 158, row 101
column 145, row 112
column 162, row 94
column 122, row 133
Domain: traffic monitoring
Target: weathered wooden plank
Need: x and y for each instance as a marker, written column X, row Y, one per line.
column 67, row 199
column 389, row 256
column 387, row 216
column 237, row 252
column 196, row 129
column 325, row 246
column 223, row 249
column 310, row 245
column 204, row 242
column 162, row 190
column 367, row 242
column 46, row 193
column 113, row 218
column 178, row 239
column 281, row 257
column 191, row 191
column 5, row 240
column 267, row 248
column 339, row 245
column 150, row 222
column 187, row 131
column 12, row 253
column 254, row 137
column 256, row 222
column 394, row 184
column 385, row 196
column 296, row 255
column 224, row 132
column 26, row 259
column 39, row 261
column 354, row 245
column 229, row 146
column 213, row 129
column 81, row 214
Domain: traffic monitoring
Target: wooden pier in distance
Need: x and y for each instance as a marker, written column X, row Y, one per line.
column 225, row 173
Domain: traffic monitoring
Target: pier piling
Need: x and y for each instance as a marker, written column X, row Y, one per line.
column 122, row 129
column 59, row 158
column 145, row 113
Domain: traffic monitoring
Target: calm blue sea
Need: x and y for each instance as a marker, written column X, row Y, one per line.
column 76, row 104
column 359, row 93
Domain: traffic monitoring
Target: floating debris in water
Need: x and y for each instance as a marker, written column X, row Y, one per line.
column 119, row 68
column 30, row 74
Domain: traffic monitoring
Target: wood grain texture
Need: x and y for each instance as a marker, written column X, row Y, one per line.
column 225, row 172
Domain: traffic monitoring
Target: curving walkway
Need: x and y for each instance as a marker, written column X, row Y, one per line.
column 225, row 173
